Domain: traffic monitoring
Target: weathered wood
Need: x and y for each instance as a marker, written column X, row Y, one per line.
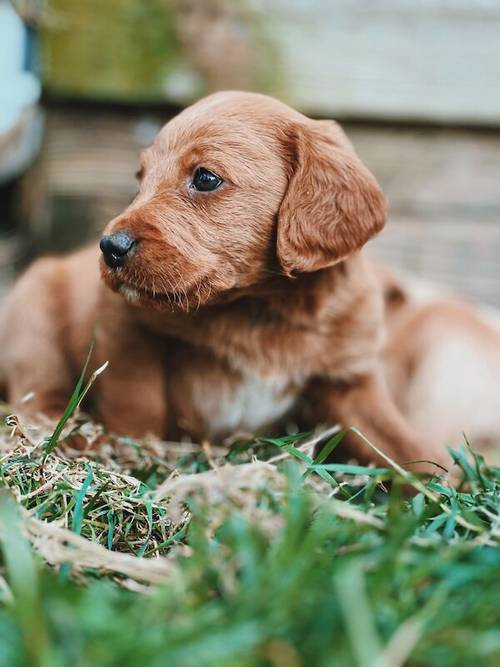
column 444, row 195
column 432, row 60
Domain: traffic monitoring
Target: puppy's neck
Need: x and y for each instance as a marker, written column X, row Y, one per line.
column 300, row 298
column 303, row 301
column 309, row 294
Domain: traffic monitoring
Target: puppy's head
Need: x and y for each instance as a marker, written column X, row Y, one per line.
column 235, row 189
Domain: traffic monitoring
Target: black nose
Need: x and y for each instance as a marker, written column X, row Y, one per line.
column 116, row 248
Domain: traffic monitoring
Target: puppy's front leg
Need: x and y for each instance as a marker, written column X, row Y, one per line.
column 366, row 404
column 130, row 396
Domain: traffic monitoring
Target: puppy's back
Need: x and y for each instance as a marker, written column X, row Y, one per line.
column 442, row 363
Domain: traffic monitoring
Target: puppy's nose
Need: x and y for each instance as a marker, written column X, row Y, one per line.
column 116, row 248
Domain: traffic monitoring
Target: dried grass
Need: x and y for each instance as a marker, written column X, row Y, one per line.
column 146, row 521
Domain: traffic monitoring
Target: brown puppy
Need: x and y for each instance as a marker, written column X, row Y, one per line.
column 234, row 289
column 442, row 361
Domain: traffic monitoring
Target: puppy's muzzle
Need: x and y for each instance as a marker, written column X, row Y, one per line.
column 116, row 248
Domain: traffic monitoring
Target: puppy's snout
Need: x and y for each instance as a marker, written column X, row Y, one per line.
column 116, row 248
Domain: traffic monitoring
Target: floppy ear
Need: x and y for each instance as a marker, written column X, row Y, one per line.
column 333, row 204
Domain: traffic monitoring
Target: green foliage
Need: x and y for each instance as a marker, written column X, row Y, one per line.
column 118, row 49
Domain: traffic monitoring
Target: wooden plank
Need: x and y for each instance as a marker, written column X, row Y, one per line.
column 391, row 59
column 463, row 257
column 442, row 187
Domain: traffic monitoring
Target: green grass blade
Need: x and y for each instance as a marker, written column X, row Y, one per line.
column 23, row 579
column 351, row 469
column 296, row 453
column 77, row 522
column 149, row 514
column 73, row 403
column 358, row 617
column 326, row 450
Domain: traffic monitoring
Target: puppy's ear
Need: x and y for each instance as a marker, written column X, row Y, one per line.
column 333, row 204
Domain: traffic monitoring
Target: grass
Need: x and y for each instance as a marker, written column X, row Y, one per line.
column 120, row 554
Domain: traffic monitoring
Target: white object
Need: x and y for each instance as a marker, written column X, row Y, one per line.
column 18, row 89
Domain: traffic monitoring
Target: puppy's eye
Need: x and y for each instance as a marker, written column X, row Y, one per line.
column 205, row 181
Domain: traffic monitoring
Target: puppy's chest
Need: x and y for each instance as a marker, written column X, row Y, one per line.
column 237, row 373
column 250, row 402
column 210, row 398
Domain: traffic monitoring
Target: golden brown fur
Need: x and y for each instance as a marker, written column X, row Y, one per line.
column 236, row 307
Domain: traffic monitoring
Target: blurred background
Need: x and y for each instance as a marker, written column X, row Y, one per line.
column 85, row 84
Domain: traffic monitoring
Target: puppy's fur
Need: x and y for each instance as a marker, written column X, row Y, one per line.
column 442, row 361
column 236, row 308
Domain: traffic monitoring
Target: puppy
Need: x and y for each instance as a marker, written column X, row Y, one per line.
column 234, row 292
column 442, row 362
